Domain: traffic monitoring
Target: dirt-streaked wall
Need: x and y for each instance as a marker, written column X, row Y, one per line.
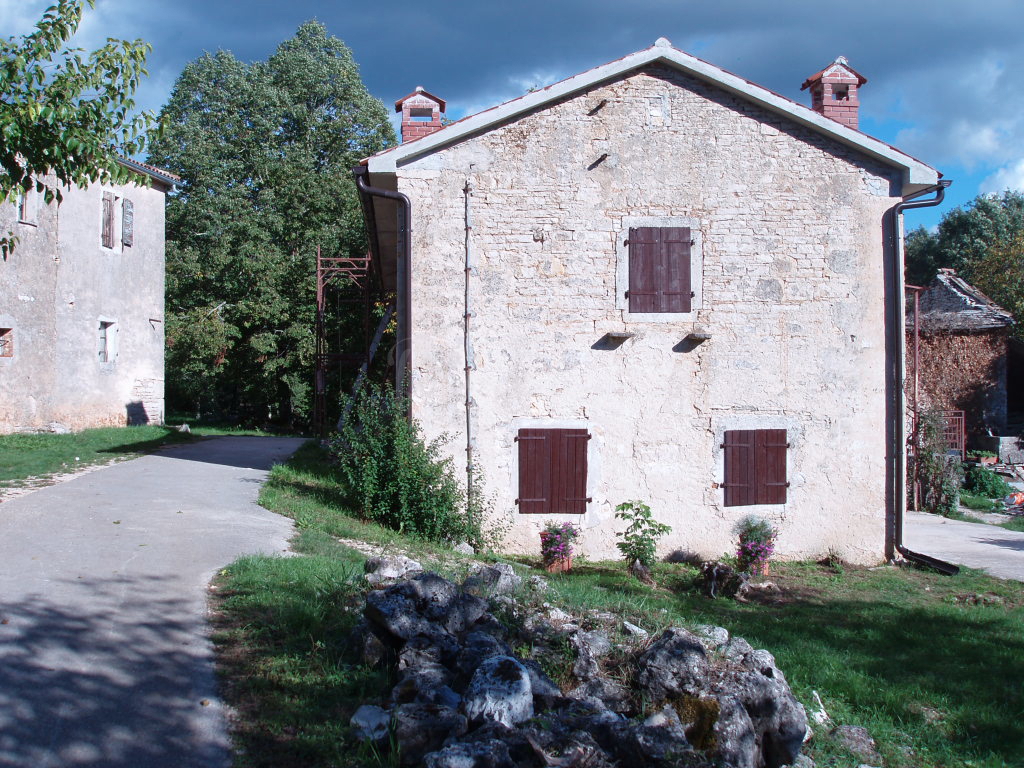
column 57, row 287
column 789, row 282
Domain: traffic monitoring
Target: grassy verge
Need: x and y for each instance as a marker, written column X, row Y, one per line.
column 24, row 456
column 933, row 666
column 214, row 427
column 977, row 503
column 1016, row 524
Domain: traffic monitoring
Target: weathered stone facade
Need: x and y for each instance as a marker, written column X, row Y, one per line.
column 57, row 288
column 788, row 262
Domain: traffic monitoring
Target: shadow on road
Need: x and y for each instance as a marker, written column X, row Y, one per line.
column 86, row 687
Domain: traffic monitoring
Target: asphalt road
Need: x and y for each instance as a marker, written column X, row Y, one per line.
column 105, row 658
column 993, row 549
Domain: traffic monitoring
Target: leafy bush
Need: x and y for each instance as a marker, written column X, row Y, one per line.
column 392, row 476
column 640, row 539
column 982, row 481
column 939, row 474
column 756, row 542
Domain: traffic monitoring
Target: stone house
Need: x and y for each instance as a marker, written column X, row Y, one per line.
column 958, row 347
column 82, row 307
column 656, row 280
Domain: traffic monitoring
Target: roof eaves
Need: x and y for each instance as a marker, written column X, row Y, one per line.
column 916, row 173
column 159, row 174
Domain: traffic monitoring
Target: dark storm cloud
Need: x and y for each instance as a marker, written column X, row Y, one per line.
column 942, row 74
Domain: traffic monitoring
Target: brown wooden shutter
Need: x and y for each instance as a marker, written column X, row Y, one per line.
column 644, row 260
column 553, row 471
column 534, row 472
column 108, row 220
column 771, row 466
column 740, row 478
column 659, row 269
column 755, row 467
column 675, row 257
column 127, row 223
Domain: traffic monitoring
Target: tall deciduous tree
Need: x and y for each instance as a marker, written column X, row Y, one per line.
column 265, row 152
column 63, row 115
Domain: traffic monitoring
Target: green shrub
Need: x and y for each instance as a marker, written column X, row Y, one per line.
column 982, row 481
column 756, row 542
column 393, row 477
column 640, row 539
column 940, row 474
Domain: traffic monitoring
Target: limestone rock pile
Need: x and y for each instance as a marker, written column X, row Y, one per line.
column 470, row 694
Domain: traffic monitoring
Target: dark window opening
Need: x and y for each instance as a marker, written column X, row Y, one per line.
column 6, row 342
column 128, row 223
column 840, row 93
column 755, row 467
column 106, row 351
column 421, row 114
column 553, row 471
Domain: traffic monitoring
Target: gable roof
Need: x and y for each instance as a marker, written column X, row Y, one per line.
column 840, row 67
column 916, row 175
column 952, row 305
column 157, row 174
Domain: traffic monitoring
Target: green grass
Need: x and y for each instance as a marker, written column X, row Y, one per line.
column 215, row 427
column 1016, row 524
column 933, row 666
column 39, row 455
column 977, row 503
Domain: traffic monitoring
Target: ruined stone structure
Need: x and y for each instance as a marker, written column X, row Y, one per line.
column 962, row 350
column 657, row 281
column 82, row 308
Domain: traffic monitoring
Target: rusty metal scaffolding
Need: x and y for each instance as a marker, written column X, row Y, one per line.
column 349, row 282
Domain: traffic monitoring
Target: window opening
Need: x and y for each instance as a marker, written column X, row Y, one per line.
column 105, row 349
column 6, row 342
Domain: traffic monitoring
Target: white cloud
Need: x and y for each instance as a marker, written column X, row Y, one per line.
column 1007, row 177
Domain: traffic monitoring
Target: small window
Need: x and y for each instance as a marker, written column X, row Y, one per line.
column 106, row 342
column 553, row 471
column 659, row 270
column 6, row 342
column 840, row 93
column 127, row 223
column 28, row 204
column 108, row 220
column 755, row 467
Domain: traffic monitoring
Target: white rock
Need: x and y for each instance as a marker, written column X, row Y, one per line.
column 634, row 631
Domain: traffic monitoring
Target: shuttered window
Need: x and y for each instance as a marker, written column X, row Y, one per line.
column 128, row 223
column 553, row 471
column 659, row 269
column 108, row 220
column 755, row 467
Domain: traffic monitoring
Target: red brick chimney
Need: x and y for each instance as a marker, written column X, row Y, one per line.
column 834, row 92
column 421, row 114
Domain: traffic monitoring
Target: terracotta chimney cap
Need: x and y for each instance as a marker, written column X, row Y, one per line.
column 838, row 67
column 421, row 92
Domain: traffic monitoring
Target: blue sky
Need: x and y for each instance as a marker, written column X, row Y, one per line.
column 943, row 75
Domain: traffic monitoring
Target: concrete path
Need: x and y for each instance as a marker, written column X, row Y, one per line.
column 993, row 549
column 104, row 652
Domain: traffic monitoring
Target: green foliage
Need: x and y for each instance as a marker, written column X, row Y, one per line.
column 640, row 539
column 977, row 503
column 393, row 476
column 984, row 242
column 756, row 542
column 265, row 152
column 556, row 541
column 65, row 119
column 940, row 475
column 982, row 481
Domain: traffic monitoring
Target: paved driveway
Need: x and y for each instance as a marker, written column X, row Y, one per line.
column 996, row 550
column 104, row 654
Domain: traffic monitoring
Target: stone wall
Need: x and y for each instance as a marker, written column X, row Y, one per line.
column 57, row 287
column 790, row 286
column 965, row 372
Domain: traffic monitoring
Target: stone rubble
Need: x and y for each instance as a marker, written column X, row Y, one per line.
column 473, row 689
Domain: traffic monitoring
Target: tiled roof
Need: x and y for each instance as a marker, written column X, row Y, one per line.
column 951, row 304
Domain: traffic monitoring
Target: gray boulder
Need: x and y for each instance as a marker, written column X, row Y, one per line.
column 604, row 693
column 423, row 728
column 500, row 690
column 712, row 637
column 477, row 648
column 675, row 665
column 590, row 646
column 497, row 579
column 633, row 630
column 473, row 754
column 387, row 569
column 371, row 723
column 416, row 683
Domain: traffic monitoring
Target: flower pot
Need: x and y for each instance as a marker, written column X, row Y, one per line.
column 757, row 569
column 561, row 565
